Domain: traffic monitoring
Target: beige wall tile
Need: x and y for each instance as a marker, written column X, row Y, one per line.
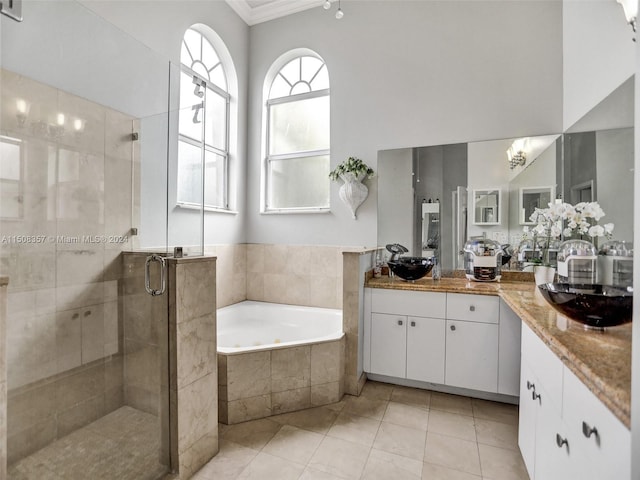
column 29, row 406
column 197, row 411
column 196, row 349
column 195, row 283
column 198, row 454
column 299, row 260
column 142, row 365
column 30, row 440
column 327, row 362
column 249, row 409
column 248, row 375
column 326, row 393
column 92, row 333
column 275, row 258
column 290, row 400
column 255, row 258
column 79, row 387
column 80, row 415
column 275, row 285
column 323, row 292
column 290, row 368
column 255, row 287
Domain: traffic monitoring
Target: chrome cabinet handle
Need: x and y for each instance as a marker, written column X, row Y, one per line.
column 587, row 430
column 472, row 308
column 561, row 441
column 399, row 322
column 536, row 396
column 453, row 328
column 530, row 385
column 413, row 324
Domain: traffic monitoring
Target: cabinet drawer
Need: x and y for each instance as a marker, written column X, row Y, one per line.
column 607, row 449
column 418, row 304
column 473, row 308
column 544, row 365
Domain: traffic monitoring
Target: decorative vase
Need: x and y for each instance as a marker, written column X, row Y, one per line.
column 353, row 192
column 544, row 274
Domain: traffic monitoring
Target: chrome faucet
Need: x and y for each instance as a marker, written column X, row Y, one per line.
column 396, row 249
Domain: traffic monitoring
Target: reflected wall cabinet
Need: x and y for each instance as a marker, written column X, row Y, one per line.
column 532, row 198
column 487, row 206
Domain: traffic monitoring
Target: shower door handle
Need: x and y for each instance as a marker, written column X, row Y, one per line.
column 147, row 275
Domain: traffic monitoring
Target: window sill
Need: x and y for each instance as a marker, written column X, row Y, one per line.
column 296, row 211
column 189, row 206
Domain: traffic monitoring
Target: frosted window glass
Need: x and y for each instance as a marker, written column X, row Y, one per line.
column 216, row 126
column 310, row 66
column 321, row 81
column 279, row 88
column 214, row 180
column 10, row 200
column 291, row 71
column 187, row 100
column 299, row 183
column 209, row 55
column 218, row 77
column 189, row 174
column 299, row 126
column 192, row 41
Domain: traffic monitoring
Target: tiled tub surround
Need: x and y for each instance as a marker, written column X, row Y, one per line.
column 295, row 274
column 264, row 383
column 64, row 364
column 193, row 373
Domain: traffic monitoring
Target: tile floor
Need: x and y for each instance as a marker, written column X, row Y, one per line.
column 123, row 445
column 389, row 432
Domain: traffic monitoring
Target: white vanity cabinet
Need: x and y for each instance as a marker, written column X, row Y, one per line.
column 450, row 339
column 564, row 430
column 472, row 342
column 407, row 335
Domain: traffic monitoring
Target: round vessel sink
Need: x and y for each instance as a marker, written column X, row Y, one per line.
column 411, row 268
column 595, row 306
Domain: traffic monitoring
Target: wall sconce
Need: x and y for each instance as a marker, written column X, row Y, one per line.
column 517, row 153
column 630, row 8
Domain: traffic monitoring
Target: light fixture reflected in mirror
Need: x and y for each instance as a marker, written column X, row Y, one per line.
column 517, row 153
column 22, row 111
column 630, row 8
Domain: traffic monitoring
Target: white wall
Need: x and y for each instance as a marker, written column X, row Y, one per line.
column 407, row 74
column 598, row 54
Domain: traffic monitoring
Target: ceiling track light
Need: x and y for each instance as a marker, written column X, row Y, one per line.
column 327, row 5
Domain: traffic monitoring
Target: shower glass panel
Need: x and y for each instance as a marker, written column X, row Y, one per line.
column 83, row 192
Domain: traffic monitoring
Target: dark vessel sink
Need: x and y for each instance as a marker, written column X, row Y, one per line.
column 596, row 306
column 410, row 268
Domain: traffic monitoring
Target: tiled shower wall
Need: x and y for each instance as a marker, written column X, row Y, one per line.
column 65, row 214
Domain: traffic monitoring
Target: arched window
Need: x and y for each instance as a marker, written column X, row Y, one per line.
column 297, row 136
column 203, row 140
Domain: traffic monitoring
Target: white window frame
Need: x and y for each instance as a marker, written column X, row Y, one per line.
column 201, row 144
column 269, row 158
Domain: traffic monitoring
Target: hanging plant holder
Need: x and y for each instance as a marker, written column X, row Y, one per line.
column 352, row 192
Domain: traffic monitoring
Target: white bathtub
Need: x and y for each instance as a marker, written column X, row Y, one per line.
column 253, row 326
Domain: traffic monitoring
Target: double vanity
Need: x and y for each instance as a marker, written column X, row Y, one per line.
column 502, row 341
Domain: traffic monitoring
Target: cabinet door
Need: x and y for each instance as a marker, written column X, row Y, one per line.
column 527, row 420
column 425, row 349
column 601, row 438
column 509, row 351
column 472, row 355
column 557, row 455
column 388, row 344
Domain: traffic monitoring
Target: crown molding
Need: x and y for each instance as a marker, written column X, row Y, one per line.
column 270, row 10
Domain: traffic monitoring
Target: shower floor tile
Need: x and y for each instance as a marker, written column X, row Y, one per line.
column 123, row 445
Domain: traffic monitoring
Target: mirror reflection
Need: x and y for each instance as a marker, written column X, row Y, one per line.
column 432, row 199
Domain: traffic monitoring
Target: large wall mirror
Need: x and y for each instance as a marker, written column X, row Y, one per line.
column 431, row 199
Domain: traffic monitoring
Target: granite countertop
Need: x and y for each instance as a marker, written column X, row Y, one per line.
column 601, row 360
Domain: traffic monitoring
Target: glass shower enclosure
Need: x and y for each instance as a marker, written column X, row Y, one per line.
column 85, row 149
